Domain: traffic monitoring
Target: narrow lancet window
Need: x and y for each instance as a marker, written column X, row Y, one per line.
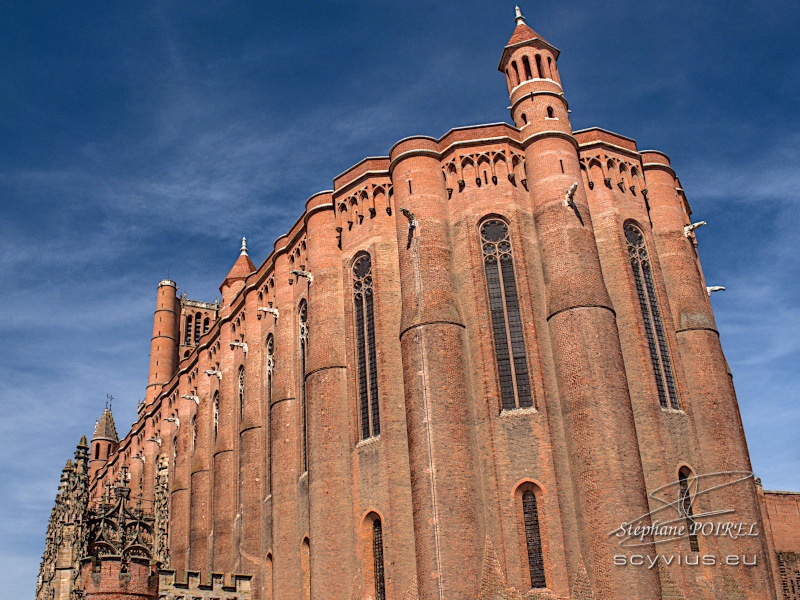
column 270, row 371
column 651, row 315
column 685, row 504
column 216, row 414
column 197, row 324
column 377, row 554
column 241, row 393
column 303, row 349
column 509, row 343
column 533, row 540
column 365, row 340
column 187, row 338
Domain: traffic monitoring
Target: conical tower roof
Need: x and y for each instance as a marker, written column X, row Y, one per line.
column 105, row 428
column 523, row 34
column 241, row 268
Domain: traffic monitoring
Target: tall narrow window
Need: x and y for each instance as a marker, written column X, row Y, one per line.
column 303, row 349
column 174, row 454
column 270, row 371
column 653, row 327
column 241, row 393
column 527, row 65
column 187, row 338
column 539, row 68
column 216, row 414
column 509, row 343
column 685, row 502
column 194, row 432
column 377, row 554
column 533, row 540
column 365, row 339
column 206, row 324
column 197, row 328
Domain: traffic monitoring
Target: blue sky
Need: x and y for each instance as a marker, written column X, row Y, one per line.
column 144, row 139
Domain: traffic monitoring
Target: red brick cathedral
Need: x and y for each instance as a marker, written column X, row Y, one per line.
column 482, row 367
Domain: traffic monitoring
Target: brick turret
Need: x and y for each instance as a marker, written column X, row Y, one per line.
column 164, row 343
column 104, row 442
column 234, row 281
column 592, row 386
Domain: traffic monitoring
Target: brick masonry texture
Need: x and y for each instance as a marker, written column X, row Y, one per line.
column 255, row 404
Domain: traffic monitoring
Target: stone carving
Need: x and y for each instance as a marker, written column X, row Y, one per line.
column 116, row 529
column 66, row 529
column 161, row 505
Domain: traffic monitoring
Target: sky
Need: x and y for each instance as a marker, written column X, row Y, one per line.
column 140, row 140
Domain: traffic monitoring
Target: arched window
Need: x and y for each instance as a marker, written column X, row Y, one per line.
column 197, row 328
column 194, row 432
column 187, row 338
column 174, row 454
column 551, row 114
column 685, row 502
column 270, row 371
column 206, row 325
column 241, row 393
column 527, row 66
column 533, row 540
column 365, row 340
column 377, row 554
column 303, row 312
column 509, row 343
column 539, row 68
column 516, row 72
column 97, row 452
column 216, row 414
column 305, row 568
column 653, row 327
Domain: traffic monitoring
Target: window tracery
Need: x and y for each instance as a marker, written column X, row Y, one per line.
column 651, row 315
column 366, row 352
column 509, row 342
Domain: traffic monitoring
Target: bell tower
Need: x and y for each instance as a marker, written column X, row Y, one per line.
column 534, row 85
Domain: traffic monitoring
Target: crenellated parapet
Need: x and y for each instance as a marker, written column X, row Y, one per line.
column 220, row 587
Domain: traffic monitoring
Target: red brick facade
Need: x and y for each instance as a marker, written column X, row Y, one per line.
column 525, row 359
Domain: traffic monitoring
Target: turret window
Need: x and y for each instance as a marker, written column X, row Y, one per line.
column 516, row 72
column 527, row 65
column 539, row 68
column 365, row 340
column 533, row 540
column 509, row 343
column 651, row 315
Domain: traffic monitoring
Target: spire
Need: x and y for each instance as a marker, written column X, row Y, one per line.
column 523, row 34
column 105, row 428
column 241, row 268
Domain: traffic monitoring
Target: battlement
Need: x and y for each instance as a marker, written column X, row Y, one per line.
column 225, row 586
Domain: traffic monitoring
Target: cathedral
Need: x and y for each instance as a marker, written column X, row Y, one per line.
column 484, row 366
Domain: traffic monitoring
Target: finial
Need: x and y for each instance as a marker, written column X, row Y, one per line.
column 519, row 19
column 244, row 246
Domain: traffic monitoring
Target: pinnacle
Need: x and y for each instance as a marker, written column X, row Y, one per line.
column 83, row 443
column 241, row 268
column 105, row 428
